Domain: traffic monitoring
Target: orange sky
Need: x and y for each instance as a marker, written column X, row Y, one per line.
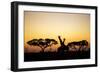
column 72, row 27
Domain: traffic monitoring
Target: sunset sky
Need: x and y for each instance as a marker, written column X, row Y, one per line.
column 71, row 26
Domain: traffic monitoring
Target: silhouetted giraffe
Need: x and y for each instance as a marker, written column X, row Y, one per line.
column 61, row 42
column 63, row 48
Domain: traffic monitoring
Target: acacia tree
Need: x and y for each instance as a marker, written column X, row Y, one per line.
column 42, row 43
column 82, row 44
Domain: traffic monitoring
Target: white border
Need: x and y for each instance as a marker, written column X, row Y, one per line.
column 22, row 64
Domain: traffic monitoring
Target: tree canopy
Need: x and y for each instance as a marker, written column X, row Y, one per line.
column 42, row 43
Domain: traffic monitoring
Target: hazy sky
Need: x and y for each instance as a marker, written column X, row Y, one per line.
column 72, row 27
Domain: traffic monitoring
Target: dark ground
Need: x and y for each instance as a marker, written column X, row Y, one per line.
column 45, row 56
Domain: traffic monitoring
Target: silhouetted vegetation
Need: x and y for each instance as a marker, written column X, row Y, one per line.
column 42, row 43
column 81, row 50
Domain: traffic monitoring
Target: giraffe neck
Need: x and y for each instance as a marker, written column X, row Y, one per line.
column 61, row 42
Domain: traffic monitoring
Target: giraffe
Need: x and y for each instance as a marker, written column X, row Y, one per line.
column 63, row 48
